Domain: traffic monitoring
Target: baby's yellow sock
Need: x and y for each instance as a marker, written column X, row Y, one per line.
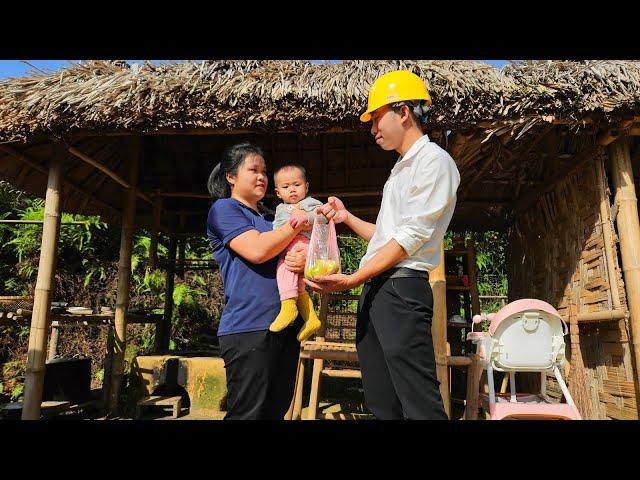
column 288, row 313
column 311, row 320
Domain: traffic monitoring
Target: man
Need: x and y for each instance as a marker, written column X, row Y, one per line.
column 393, row 333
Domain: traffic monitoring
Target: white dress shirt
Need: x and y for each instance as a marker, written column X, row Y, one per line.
column 418, row 201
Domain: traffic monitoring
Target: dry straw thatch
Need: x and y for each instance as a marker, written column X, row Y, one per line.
column 304, row 97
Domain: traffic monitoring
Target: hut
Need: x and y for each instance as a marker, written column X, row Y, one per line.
column 547, row 152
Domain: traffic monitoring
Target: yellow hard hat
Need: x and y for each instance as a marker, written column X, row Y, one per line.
column 395, row 87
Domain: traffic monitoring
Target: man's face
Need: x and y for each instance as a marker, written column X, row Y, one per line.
column 387, row 128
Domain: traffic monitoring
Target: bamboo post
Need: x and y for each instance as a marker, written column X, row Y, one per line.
column 474, row 371
column 40, row 319
column 53, row 342
column 603, row 316
column 318, row 363
column 439, row 327
column 107, row 366
column 155, row 227
column 577, row 378
column 473, row 277
column 629, row 234
column 607, row 233
column 163, row 329
column 124, row 279
column 316, row 380
column 297, row 403
column 182, row 248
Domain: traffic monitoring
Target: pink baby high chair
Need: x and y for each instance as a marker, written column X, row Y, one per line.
column 524, row 336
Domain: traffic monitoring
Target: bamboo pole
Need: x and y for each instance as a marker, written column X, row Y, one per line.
column 629, row 234
column 163, row 329
column 318, row 363
column 182, row 246
column 601, row 316
column 40, row 320
column 607, row 233
column 155, row 227
column 53, row 342
column 439, row 328
column 124, row 279
column 473, row 277
column 107, row 367
column 38, row 222
column 473, row 388
column 577, row 378
column 297, row 403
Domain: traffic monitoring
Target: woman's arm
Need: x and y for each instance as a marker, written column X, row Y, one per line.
column 257, row 247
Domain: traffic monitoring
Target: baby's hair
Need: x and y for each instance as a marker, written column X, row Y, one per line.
column 287, row 167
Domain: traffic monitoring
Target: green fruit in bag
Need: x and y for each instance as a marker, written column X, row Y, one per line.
column 321, row 267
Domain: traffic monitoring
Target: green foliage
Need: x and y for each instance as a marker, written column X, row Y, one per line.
column 352, row 249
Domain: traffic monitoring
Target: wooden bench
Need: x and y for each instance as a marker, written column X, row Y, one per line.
column 160, row 401
column 47, row 408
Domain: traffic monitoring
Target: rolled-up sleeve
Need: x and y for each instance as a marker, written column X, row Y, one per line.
column 432, row 189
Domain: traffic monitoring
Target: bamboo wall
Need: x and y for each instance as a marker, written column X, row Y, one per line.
column 558, row 255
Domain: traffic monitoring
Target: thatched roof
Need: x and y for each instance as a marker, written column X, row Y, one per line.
column 300, row 96
column 507, row 126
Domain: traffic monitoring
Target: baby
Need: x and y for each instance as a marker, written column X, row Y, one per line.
column 292, row 187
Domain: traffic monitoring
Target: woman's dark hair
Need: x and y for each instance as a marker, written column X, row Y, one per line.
column 231, row 160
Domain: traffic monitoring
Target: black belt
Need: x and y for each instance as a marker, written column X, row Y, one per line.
column 400, row 272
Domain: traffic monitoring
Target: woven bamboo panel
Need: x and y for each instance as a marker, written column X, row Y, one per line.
column 12, row 304
column 559, row 256
column 340, row 327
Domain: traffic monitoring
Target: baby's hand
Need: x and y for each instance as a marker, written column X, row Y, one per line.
column 299, row 219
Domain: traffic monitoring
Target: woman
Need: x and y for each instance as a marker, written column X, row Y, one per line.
column 260, row 365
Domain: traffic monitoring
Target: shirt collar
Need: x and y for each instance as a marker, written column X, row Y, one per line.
column 413, row 150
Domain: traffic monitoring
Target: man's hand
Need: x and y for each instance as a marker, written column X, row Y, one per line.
column 295, row 259
column 333, row 283
column 334, row 209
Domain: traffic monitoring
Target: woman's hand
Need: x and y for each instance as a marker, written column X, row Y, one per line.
column 334, row 209
column 295, row 259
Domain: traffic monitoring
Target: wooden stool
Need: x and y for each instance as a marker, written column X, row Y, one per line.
column 160, row 401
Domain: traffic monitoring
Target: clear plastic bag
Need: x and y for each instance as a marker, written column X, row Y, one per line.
column 323, row 256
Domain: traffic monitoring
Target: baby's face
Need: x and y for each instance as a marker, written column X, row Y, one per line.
column 291, row 186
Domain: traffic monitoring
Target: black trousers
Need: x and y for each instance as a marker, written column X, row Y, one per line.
column 395, row 350
column 261, row 372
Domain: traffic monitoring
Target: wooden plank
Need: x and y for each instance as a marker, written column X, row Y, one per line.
column 458, row 361
column 159, row 400
column 327, row 372
column 345, row 416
